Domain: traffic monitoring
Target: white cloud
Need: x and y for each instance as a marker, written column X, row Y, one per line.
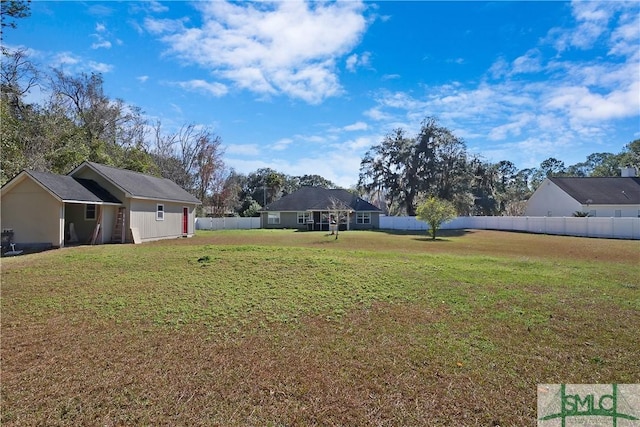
column 159, row 26
column 272, row 47
column 100, row 10
column 626, row 38
column 356, row 126
column 356, row 146
column 106, row 44
column 72, row 63
column 592, row 23
column 156, row 6
column 65, row 58
column 580, row 103
column 351, row 62
column 197, row 85
column 282, row 144
column 530, row 62
column 243, row 149
column 458, row 61
column 100, row 27
column 100, row 67
column 356, row 61
column 377, row 114
column 513, row 128
column 142, row 79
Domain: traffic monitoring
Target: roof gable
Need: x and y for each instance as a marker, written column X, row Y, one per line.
column 139, row 185
column 601, row 190
column 318, row 199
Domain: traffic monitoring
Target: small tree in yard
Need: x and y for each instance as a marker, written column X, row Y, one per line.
column 435, row 211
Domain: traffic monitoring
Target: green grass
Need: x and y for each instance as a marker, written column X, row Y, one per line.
column 291, row 328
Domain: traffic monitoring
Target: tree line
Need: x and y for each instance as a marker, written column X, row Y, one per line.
column 403, row 171
column 77, row 121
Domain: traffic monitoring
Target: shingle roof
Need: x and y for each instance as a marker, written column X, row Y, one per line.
column 68, row 188
column 141, row 185
column 318, row 199
column 601, row 190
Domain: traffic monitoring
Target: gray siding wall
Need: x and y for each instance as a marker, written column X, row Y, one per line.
column 287, row 220
column 143, row 217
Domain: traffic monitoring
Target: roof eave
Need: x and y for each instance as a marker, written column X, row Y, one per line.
column 189, row 202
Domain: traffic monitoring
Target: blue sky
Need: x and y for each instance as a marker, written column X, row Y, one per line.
column 307, row 88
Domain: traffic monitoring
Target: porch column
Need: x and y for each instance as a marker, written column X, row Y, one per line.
column 61, row 226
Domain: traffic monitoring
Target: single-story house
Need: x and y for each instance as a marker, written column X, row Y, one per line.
column 316, row 208
column 95, row 204
column 598, row 196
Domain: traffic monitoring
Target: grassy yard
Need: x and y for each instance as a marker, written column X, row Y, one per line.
column 285, row 328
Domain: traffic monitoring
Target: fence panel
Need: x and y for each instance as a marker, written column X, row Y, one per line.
column 230, row 223
column 617, row 228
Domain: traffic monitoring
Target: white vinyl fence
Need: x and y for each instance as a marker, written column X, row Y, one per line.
column 616, row 228
column 230, row 223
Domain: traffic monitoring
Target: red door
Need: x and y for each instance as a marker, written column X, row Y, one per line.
column 185, row 220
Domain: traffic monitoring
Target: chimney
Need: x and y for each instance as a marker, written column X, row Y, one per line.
column 628, row 172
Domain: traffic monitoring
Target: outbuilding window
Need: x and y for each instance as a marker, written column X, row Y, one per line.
column 160, row 212
column 90, row 212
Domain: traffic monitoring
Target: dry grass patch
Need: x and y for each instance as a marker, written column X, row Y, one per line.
column 286, row 328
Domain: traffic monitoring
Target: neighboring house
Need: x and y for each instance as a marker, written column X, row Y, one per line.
column 94, row 203
column 314, row 208
column 598, row 196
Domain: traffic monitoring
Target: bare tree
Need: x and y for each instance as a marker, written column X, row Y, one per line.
column 192, row 158
column 18, row 76
column 210, row 170
column 339, row 212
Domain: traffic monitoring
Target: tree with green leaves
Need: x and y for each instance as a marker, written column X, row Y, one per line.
column 435, row 212
column 406, row 168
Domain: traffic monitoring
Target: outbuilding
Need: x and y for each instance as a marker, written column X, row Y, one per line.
column 94, row 204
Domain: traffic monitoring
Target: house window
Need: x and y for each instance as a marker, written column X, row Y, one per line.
column 592, row 212
column 363, row 217
column 303, row 217
column 273, row 218
column 159, row 212
column 618, row 213
column 90, row 212
column 325, row 217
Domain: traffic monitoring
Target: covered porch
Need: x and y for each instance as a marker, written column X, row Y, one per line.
column 324, row 219
column 88, row 223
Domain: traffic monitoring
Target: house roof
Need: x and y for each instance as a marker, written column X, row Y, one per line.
column 319, row 199
column 601, row 190
column 68, row 188
column 139, row 185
